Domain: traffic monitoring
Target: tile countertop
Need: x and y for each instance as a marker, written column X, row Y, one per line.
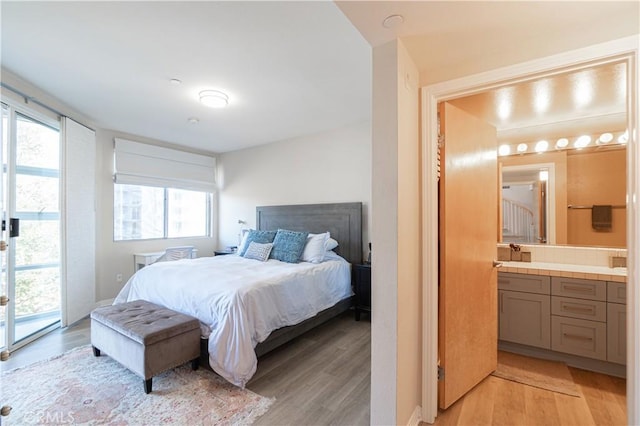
column 602, row 273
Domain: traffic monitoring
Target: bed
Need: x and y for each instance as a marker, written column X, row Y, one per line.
column 248, row 308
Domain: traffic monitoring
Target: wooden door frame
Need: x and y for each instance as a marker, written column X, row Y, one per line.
column 626, row 49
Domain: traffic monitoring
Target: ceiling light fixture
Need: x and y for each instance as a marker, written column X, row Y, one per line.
column 175, row 82
column 522, row 147
column 193, row 120
column 214, row 98
column 393, row 21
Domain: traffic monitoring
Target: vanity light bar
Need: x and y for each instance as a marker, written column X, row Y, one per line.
column 580, row 142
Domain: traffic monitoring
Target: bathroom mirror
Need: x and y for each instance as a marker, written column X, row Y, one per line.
column 572, row 126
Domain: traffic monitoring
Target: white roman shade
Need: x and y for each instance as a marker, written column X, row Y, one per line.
column 137, row 163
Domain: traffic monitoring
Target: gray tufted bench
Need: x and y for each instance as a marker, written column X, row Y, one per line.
column 146, row 338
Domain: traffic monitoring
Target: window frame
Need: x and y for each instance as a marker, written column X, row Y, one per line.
column 208, row 214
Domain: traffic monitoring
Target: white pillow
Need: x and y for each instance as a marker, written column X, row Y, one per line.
column 330, row 244
column 258, row 251
column 244, row 233
column 314, row 248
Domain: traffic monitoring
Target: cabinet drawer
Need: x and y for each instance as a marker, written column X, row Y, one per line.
column 579, row 337
column 579, row 308
column 538, row 284
column 616, row 292
column 579, row 288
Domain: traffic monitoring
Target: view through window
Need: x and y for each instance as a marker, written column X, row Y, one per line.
column 146, row 212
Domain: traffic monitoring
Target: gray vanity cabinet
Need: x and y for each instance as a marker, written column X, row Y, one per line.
column 585, row 319
column 616, row 323
column 578, row 322
column 524, row 309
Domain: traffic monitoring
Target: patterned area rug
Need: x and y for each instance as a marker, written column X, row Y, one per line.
column 550, row 375
column 78, row 388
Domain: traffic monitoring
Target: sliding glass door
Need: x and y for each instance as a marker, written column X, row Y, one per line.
column 31, row 189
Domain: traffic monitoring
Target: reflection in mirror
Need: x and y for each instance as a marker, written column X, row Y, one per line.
column 575, row 124
column 526, row 213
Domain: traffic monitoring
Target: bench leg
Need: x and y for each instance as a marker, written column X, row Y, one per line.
column 148, row 385
column 96, row 351
column 195, row 363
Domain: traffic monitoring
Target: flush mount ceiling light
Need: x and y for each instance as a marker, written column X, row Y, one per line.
column 214, row 98
column 393, row 21
column 193, row 120
column 175, row 82
column 522, row 147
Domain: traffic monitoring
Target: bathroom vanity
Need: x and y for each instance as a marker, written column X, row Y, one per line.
column 570, row 313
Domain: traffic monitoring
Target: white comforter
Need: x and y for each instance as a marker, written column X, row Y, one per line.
column 240, row 301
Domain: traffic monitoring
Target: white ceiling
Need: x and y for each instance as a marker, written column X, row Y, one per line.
column 289, row 68
column 450, row 39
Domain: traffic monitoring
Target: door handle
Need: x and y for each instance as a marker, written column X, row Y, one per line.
column 497, row 264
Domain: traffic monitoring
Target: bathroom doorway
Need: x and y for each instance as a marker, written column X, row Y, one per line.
column 477, row 84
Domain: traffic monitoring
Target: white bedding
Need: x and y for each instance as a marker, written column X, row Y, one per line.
column 241, row 301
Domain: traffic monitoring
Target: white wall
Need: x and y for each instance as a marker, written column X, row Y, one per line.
column 330, row 167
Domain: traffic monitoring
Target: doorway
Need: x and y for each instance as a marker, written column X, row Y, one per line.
column 30, row 201
column 625, row 50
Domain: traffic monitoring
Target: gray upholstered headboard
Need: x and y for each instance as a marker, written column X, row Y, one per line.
column 342, row 220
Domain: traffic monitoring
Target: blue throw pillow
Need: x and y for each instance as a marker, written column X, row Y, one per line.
column 262, row 237
column 288, row 245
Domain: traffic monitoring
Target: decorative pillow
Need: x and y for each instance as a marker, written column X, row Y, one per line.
column 243, row 239
column 261, row 237
column 258, row 251
column 288, row 245
column 314, row 249
column 331, row 244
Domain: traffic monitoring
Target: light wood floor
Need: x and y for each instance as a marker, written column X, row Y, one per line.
column 497, row 401
column 323, row 377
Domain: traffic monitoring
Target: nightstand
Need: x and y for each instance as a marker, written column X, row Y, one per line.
column 223, row 252
column 362, row 288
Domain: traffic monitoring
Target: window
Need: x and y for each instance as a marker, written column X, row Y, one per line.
column 146, row 212
column 161, row 192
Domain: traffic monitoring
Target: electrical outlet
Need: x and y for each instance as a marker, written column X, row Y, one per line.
column 119, row 278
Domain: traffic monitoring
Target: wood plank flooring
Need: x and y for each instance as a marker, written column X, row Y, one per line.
column 323, row 377
column 496, row 401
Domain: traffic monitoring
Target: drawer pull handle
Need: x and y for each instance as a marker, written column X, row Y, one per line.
column 576, row 337
column 579, row 289
column 578, row 309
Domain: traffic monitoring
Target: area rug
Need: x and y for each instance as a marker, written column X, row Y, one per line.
column 550, row 375
column 78, row 388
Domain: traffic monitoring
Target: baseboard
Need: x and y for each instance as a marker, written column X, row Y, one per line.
column 416, row 417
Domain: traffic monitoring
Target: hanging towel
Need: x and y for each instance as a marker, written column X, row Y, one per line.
column 601, row 218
